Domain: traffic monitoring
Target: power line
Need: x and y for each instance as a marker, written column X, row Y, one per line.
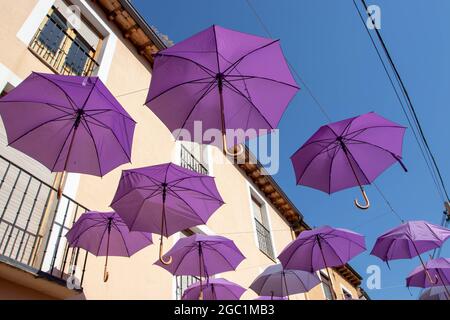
column 319, row 105
column 409, row 104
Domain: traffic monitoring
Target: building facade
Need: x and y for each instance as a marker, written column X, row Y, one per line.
column 113, row 42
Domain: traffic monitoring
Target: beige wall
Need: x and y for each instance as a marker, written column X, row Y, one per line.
column 137, row 277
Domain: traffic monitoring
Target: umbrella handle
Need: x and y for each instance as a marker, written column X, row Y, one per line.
column 366, row 199
column 105, row 275
column 240, row 149
column 161, row 258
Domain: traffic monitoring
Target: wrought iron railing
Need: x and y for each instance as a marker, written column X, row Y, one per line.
column 190, row 162
column 62, row 52
column 264, row 239
column 182, row 282
column 33, row 223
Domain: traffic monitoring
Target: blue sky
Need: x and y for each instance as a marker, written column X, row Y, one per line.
column 328, row 46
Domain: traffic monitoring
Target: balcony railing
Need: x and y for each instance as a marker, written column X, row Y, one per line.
column 33, row 224
column 182, row 282
column 190, row 162
column 62, row 52
column 264, row 239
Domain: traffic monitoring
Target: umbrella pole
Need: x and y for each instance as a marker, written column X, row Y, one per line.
column 285, row 285
column 105, row 271
column 333, row 293
column 445, row 286
column 430, row 278
column 366, row 199
column 222, row 112
column 200, row 297
column 75, row 127
column 163, row 225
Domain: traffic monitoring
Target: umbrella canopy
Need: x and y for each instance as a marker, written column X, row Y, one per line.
column 202, row 256
column 409, row 240
column 270, row 298
column 165, row 199
column 439, row 269
column 348, row 153
column 278, row 282
column 223, row 78
column 434, row 293
column 105, row 234
column 68, row 123
column 215, row 289
column 322, row 248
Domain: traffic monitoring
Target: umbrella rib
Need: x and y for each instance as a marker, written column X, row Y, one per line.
column 249, row 77
column 113, row 104
column 131, row 190
column 336, row 151
column 53, row 105
column 234, row 65
column 60, row 118
column 72, row 129
column 154, row 194
column 88, row 130
column 190, row 207
column 246, row 98
column 351, row 155
column 204, row 68
column 123, row 239
column 72, row 103
column 217, row 49
column 220, row 253
column 207, row 91
column 184, row 256
column 196, row 191
column 178, row 85
column 104, row 126
column 88, row 228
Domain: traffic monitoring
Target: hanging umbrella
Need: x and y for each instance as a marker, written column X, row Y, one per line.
column 202, row 256
column 434, row 293
column 348, row 153
column 278, row 282
column 226, row 79
column 68, row 123
column 409, row 240
column 215, row 289
column 270, row 298
column 105, row 234
column 322, row 248
column 165, row 199
column 437, row 269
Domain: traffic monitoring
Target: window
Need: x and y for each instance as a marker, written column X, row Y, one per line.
column 262, row 227
column 327, row 287
column 65, row 48
column 193, row 157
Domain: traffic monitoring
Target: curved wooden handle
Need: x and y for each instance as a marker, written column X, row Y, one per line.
column 161, row 258
column 105, row 275
column 234, row 154
column 366, row 199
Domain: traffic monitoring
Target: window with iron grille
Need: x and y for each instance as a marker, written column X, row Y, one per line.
column 262, row 227
column 346, row 294
column 326, row 284
column 63, row 48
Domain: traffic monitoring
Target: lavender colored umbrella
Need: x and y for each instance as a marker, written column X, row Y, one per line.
column 435, row 293
column 348, row 153
column 270, row 298
column 435, row 273
column 165, row 199
column 226, row 79
column 276, row 281
column 215, row 289
column 105, row 234
column 68, row 123
column 202, row 256
column 322, row 248
column 409, row 240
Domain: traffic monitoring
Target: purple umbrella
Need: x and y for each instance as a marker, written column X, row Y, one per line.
column 423, row 275
column 321, row 248
column 278, row 282
column 348, row 153
column 270, row 298
column 409, row 240
column 105, row 234
column 223, row 78
column 435, row 293
column 215, row 289
column 165, row 199
column 68, row 123
column 202, row 256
